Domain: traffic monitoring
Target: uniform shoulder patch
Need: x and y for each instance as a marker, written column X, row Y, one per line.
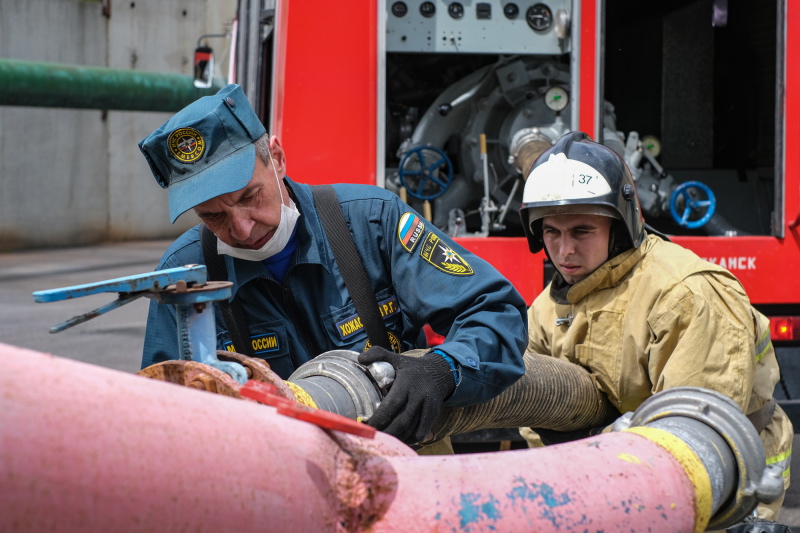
column 409, row 230
column 186, row 144
column 352, row 324
column 437, row 253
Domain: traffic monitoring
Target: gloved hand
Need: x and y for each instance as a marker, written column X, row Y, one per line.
column 420, row 387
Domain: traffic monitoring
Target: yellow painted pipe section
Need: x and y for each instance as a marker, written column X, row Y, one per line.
column 300, row 395
column 691, row 464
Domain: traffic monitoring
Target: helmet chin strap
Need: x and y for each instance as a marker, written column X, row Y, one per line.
column 618, row 239
column 612, row 239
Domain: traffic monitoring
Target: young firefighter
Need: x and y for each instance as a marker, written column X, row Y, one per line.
column 641, row 313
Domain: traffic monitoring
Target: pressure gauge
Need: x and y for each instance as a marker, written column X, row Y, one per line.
column 427, row 9
column 456, row 10
column 399, row 9
column 539, row 17
column 556, row 98
column 652, row 144
column 511, row 10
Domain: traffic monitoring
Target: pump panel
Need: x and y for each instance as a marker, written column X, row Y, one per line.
column 493, row 27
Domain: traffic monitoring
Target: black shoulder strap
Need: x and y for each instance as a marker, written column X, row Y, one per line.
column 350, row 264
column 232, row 311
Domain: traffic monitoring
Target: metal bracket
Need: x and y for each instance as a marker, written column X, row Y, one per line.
column 185, row 288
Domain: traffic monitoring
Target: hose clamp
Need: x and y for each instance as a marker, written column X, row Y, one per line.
column 757, row 481
column 526, row 145
column 362, row 385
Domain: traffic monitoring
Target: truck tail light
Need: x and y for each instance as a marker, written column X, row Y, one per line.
column 784, row 328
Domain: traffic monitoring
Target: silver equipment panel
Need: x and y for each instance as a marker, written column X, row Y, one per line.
column 487, row 27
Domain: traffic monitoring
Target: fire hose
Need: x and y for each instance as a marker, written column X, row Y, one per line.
column 552, row 394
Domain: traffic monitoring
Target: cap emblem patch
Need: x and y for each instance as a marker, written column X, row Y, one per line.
column 437, row 253
column 186, row 144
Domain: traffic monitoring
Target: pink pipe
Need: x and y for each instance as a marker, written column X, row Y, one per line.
column 83, row 448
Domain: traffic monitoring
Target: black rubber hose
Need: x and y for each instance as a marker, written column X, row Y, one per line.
column 717, row 225
column 552, row 394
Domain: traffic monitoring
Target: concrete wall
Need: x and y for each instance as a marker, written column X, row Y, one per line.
column 72, row 177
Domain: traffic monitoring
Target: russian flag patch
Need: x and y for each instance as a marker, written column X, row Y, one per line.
column 409, row 230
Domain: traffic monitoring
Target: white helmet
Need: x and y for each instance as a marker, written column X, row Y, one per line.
column 580, row 176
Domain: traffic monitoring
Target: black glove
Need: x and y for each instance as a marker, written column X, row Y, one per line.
column 421, row 385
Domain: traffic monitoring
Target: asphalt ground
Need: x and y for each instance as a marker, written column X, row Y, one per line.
column 115, row 340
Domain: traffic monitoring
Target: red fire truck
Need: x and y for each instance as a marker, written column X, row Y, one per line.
column 448, row 102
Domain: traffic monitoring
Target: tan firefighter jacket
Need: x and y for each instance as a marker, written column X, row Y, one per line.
column 656, row 317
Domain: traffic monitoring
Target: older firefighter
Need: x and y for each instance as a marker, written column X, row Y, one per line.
column 215, row 157
column 640, row 313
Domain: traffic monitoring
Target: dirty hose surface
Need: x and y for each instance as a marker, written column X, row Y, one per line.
column 552, row 394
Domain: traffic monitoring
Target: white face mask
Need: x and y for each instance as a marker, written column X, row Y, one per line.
column 289, row 216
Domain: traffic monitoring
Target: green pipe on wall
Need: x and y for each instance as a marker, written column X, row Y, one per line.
column 39, row 84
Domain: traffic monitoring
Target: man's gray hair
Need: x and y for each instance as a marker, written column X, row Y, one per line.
column 262, row 148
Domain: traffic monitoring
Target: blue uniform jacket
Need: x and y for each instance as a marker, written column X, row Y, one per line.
column 418, row 274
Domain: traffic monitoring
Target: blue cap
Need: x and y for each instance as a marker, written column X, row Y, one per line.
column 205, row 150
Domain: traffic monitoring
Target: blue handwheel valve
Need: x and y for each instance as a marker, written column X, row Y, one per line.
column 422, row 172
column 688, row 191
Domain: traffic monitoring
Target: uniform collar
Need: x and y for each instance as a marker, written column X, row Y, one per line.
column 311, row 248
column 607, row 275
